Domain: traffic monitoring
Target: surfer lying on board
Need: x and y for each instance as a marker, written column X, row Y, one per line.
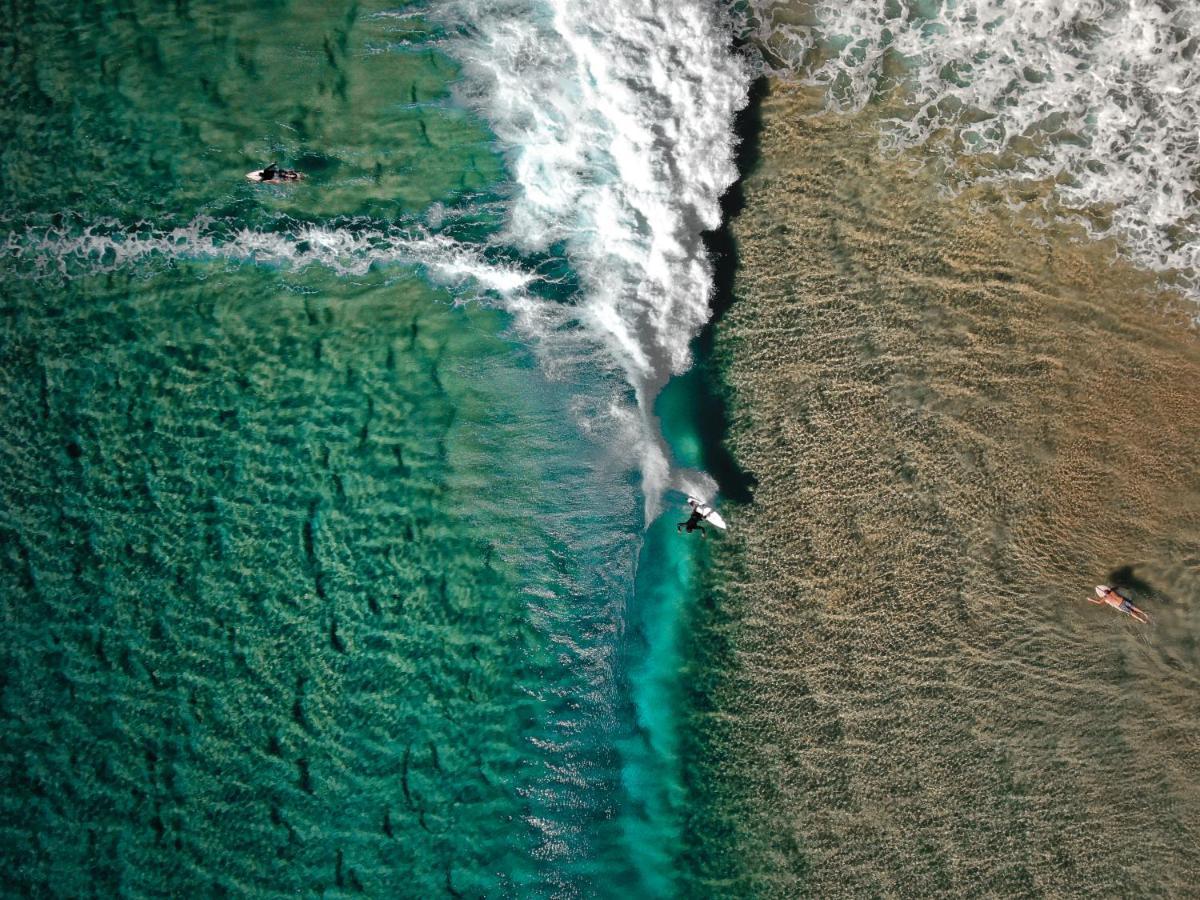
column 693, row 523
column 1105, row 594
column 274, row 173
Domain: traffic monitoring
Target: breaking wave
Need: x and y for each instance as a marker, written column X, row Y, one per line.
column 618, row 129
column 616, row 122
column 1096, row 102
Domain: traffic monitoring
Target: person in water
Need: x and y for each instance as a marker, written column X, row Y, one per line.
column 1105, row 594
column 274, row 173
column 693, row 523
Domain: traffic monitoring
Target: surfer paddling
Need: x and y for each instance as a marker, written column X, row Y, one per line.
column 273, row 173
column 1105, row 594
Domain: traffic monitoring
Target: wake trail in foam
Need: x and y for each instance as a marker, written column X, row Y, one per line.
column 1097, row 100
column 350, row 249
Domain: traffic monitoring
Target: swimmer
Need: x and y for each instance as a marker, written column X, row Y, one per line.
column 1105, row 594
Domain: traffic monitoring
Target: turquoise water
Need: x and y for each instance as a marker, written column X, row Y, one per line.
column 312, row 580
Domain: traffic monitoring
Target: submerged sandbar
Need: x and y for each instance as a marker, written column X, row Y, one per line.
column 960, row 422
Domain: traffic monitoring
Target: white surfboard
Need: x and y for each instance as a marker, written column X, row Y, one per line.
column 257, row 178
column 707, row 512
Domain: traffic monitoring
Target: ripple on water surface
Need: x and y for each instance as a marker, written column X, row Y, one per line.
column 266, row 631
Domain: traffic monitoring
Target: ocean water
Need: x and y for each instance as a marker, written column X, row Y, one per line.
column 960, row 421
column 338, row 518
column 332, row 554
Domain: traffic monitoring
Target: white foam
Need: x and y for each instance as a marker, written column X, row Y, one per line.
column 617, row 125
column 1099, row 97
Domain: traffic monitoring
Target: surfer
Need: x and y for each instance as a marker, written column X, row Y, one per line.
column 693, row 523
column 1105, row 594
column 701, row 512
column 274, row 173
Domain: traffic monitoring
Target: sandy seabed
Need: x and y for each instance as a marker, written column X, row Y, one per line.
column 960, row 422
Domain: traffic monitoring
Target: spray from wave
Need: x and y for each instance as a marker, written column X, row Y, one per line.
column 1095, row 101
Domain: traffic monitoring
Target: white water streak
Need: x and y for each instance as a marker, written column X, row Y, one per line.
column 107, row 247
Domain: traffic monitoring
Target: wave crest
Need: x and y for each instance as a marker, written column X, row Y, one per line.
column 619, row 138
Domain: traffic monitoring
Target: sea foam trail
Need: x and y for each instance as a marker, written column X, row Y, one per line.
column 57, row 252
column 1099, row 98
column 617, row 125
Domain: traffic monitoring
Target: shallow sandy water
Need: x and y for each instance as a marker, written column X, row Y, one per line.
column 959, row 423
